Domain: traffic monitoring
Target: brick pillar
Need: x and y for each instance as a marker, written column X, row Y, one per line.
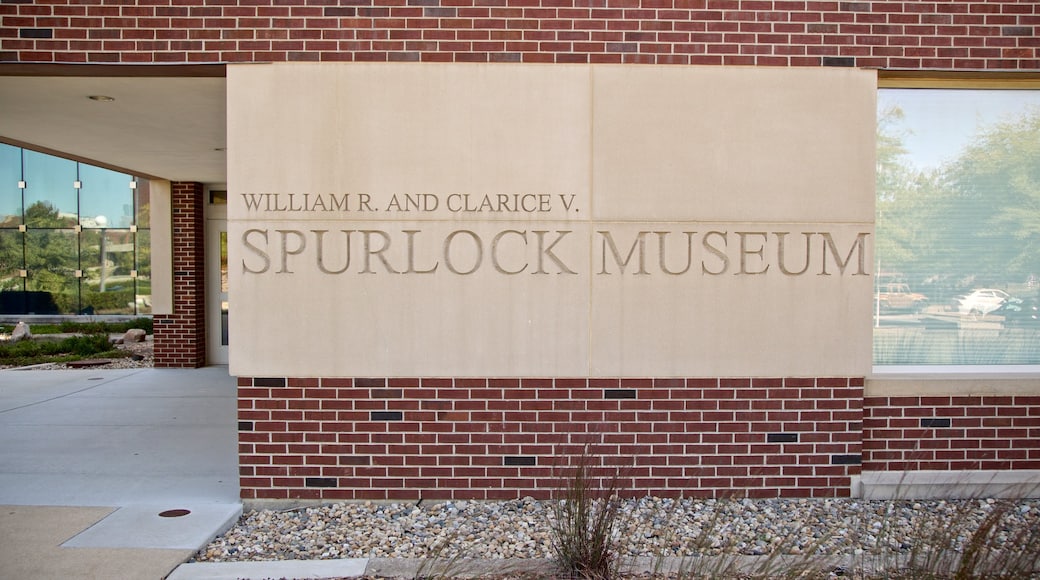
column 180, row 338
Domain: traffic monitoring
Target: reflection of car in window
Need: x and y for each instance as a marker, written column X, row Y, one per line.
column 1018, row 312
column 982, row 302
column 898, row 297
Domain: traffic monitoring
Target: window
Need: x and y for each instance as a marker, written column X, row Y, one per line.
column 74, row 238
column 958, row 227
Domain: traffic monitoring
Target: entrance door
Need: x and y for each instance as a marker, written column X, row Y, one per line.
column 216, row 281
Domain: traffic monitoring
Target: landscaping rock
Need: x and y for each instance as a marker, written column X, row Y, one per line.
column 21, row 332
column 134, row 335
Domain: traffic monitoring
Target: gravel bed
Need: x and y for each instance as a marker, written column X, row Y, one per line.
column 651, row 527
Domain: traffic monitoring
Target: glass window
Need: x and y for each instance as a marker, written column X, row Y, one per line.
column 50, row 193
column 107, row 265
column 958, row 227
column 51, row 261
column 105, row 198
column 11, row 259
column 10, row 193
column 79, row 249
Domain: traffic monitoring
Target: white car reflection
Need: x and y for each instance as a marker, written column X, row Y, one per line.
column 982, row 301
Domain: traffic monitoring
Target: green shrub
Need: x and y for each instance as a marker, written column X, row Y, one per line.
column 72, row 326
column 27, row 352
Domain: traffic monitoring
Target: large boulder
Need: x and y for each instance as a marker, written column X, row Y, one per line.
column 21, row 332
column 134, row 335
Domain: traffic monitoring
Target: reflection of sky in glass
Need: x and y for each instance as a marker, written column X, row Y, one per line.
column 52, row 180
column 938, row 124
column 105, row 193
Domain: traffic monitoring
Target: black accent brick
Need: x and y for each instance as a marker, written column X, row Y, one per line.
column 269, row 382
column 245, row 425
column 782, row 438
column 619, row 393
column 387, row 416
column 387, row 393
column 370, row 383
column 1016, row 30
column 320, row 482
column 35, row 33
column 838, row 61
column 520, row 460
column 935, row 423
column 340, row 11
column 856, row 459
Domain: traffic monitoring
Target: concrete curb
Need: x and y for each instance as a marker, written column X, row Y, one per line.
column 472, row 568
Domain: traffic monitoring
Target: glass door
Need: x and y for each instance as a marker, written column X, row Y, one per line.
column 216, row 280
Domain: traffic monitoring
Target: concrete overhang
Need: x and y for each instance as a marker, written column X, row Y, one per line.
column 157, row 121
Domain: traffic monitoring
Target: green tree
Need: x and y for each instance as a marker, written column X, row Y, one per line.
column 995, row 201
column 906, row 198
column 50, row 256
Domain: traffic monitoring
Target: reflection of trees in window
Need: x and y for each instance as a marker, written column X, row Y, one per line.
column 107, row 260
column 51, row 257
column 973, row 221
column 68, row 271
column 995, row 186
column 11, row 260
column 49, row 180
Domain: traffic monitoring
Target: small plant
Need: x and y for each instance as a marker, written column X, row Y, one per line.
column 587, row 520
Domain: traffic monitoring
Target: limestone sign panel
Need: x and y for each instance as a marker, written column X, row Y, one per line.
column 502, row 221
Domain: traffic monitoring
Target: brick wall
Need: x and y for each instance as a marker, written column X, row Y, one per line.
column 951, row 433
column 335, row 439
column 951, row 34
column 180, row 338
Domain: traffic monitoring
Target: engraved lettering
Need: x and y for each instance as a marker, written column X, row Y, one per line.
column 858, row 247
column 745, row 251
column 411, row 255
column 715, row 251
column 639, row 244
column 365, row 202
column 379, row 252
column 319, row 241
column 479, row 246
column 494, row 251
column 256, row 250
column 781, row 259
column 547, row 252
column 567, row 203
column 663, row 261
column 301, row 245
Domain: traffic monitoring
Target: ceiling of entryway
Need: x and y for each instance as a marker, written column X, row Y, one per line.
column 155, row 121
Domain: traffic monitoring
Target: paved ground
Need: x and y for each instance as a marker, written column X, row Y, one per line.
column 89, row 460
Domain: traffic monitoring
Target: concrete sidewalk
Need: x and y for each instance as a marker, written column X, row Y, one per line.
column 114, row 473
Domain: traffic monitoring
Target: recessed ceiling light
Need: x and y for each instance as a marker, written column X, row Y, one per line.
column 101, row 98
